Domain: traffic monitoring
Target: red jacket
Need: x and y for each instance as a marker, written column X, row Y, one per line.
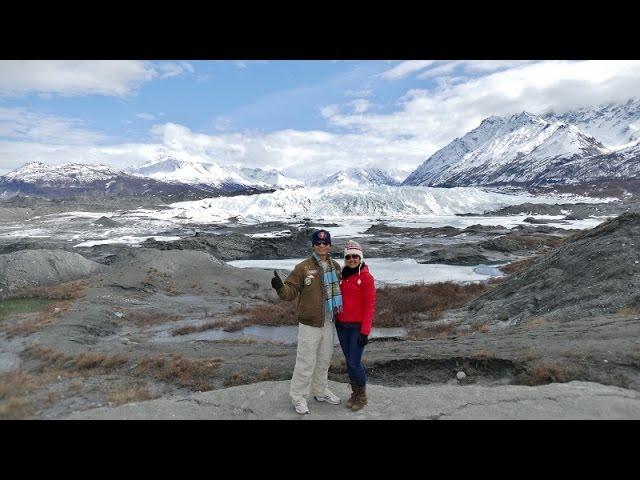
column 358, row 299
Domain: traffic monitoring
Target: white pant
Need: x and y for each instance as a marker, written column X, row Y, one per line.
column 315, row 349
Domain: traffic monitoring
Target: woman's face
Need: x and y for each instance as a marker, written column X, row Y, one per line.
column 352, row 261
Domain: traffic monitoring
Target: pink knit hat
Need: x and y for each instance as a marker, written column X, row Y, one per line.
column 352, row 247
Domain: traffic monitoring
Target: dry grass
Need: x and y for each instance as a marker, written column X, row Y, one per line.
column 237, row 378
column 62, row 291
column 269, row 314
column 16, row 385
column 146, row 318
column 544, row 372
column 264, row 375
column 483, row 353
column 92, row 362
column 31, row 325
column 15, row 408
column 535, row 322
column 399, row 306
column 629, row 311
column 519, row 265
column 17, row 382
column 431, row 331
column 186, row 372
column 186, row 330
column 529, row 355
column 242, row 378
column 123, row 395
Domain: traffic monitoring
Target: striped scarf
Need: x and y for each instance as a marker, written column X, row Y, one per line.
column 331, row 284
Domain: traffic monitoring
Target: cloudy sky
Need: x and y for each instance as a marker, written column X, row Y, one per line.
column 305, row 118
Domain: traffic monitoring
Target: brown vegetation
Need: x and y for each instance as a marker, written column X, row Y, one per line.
column 519, row 265
column 144, row 319
column 544, row 372
column 136, row 393
column 242, row 378
column 402, row 306
column 431, row 331
column 15, row 408
column 535, row 322
column 62, row 291
column 269, row 314
column 86, row 361
column 237, row 378
column 187, row 372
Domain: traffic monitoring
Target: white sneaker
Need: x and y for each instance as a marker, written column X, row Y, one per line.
column 328, row 397
column 301, row 406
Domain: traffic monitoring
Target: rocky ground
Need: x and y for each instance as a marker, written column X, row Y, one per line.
column 264, row 401
column 101, row 331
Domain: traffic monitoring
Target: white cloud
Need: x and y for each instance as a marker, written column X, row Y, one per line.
column 405, row 68
column 240, row 64
column 172, row 69
column 222, row 123
column 329, row 111
column 301, row 154
column 73, row 77
column 363, row 92
column 21, row 124
column 146, row 116
column 360, row 105
column 423, row 121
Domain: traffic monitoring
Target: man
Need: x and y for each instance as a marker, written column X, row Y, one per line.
column 316, row 281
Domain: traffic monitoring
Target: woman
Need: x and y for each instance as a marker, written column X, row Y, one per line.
column 354, row 322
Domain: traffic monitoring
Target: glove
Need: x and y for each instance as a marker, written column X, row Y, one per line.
column 363, row 340
column 276, row 281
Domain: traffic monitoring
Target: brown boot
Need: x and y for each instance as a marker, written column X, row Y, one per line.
column 352, row 399
column 361, row 399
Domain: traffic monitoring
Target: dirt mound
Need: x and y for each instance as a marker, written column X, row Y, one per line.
column 237, row 246
column 595, row 273
column 135, row 268
column 181, row 271
column 33, row 268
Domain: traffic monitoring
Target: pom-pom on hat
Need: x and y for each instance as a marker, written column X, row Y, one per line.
column 353, row 248
column 320, row 235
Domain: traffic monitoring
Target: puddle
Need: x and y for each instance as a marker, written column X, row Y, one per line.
column 399, row 271
column 22, row 305
column 287, row 334
column 488, row 270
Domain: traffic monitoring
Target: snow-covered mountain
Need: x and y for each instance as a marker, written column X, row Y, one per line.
column 358, row 177
column 71, row 179
column 614, row 125
column 67, row 175
column 170, row 169
column 269, row 178
column 519, row 150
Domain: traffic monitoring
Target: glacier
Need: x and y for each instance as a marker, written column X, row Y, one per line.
column 336, row 203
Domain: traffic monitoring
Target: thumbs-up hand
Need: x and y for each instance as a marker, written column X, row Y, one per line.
column 276, row 281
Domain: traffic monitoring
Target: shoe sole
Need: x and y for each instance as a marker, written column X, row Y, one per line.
column 318, row 399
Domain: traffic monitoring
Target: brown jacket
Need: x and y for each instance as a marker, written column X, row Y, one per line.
column 310, row 297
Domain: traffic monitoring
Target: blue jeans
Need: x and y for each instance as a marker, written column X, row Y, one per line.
column 348, row 334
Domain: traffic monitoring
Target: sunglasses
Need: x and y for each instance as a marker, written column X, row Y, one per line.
column 322, row 242
column 349, row 257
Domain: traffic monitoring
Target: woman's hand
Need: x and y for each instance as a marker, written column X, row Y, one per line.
column 363, row 340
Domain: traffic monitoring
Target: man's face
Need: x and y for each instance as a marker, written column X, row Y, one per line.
column 322, row 247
